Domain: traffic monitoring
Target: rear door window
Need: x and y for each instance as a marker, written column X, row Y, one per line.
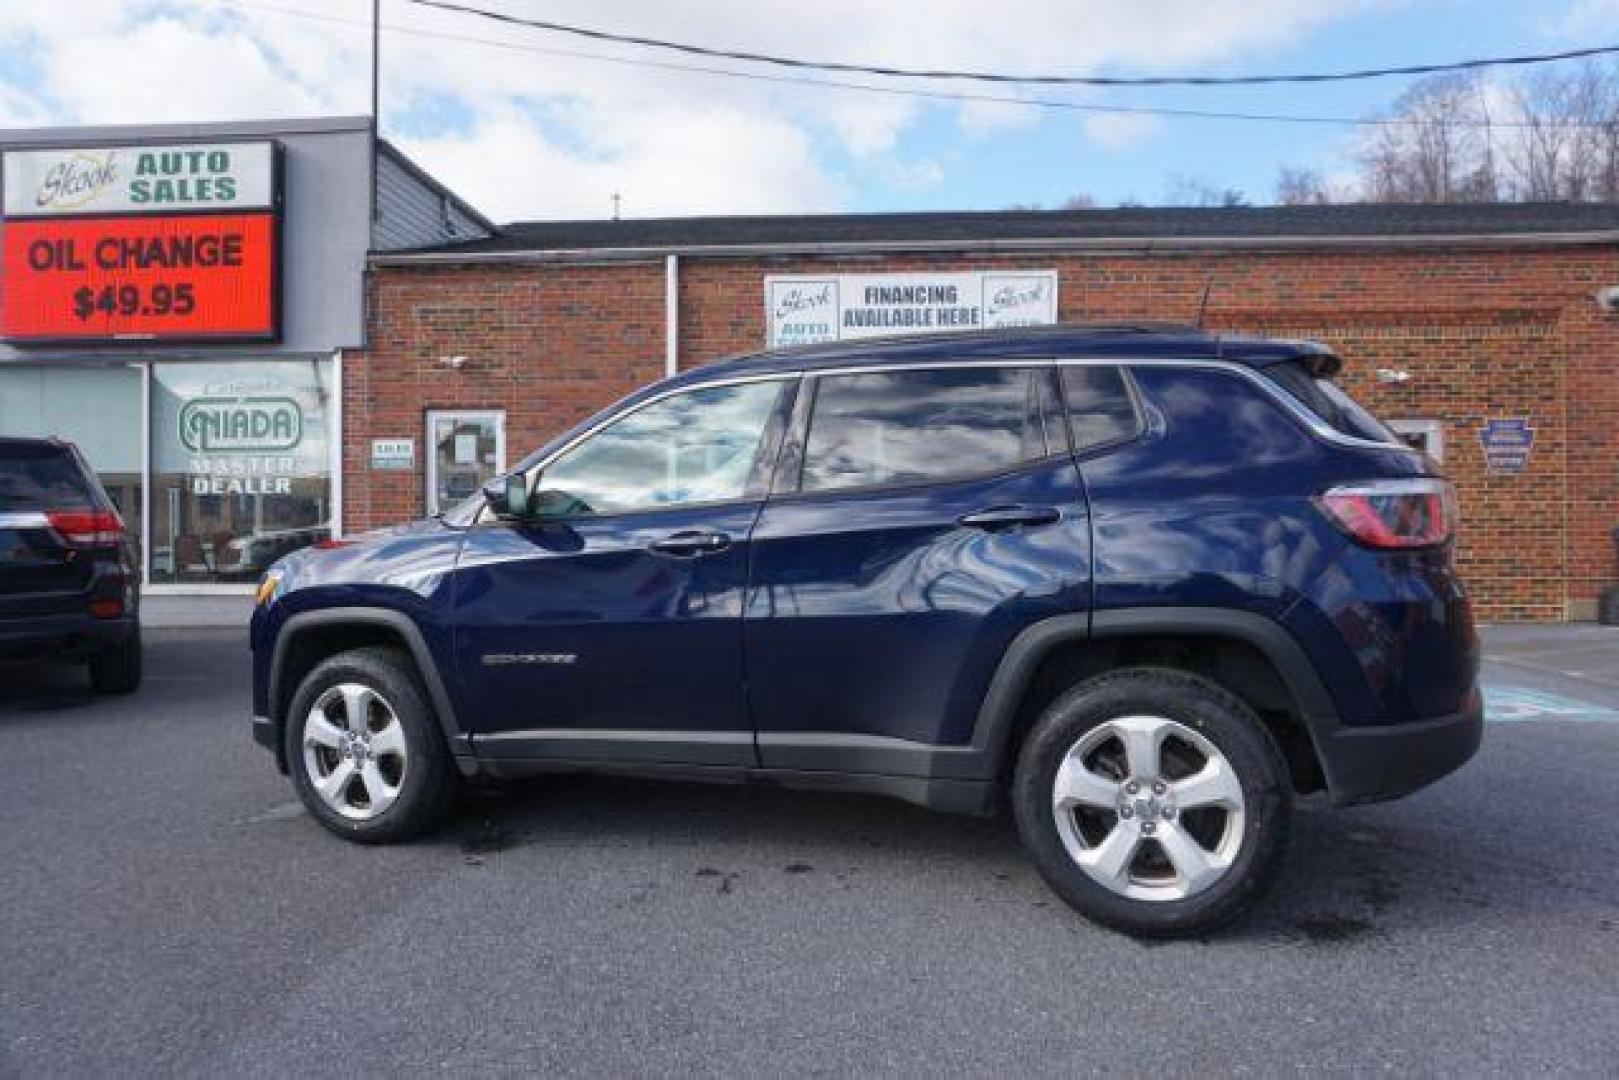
column 1100, row 408
column 921, row 426
column 1330, row 403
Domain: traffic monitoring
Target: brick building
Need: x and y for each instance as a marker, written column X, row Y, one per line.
column 1468, row 326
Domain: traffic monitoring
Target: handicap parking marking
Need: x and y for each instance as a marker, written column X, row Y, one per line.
column 1514, row 704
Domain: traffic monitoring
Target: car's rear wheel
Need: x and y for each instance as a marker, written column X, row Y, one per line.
column 1153, row 801
column 117, row 670
column 367, row 757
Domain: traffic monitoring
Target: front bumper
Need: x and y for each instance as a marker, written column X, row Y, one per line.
column 1371, row 764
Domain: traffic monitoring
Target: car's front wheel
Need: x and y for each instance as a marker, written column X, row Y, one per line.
column 1153, row 801
column 367, row 757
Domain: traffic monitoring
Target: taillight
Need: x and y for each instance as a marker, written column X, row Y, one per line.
column 87, row 528
column 1394, row 513
column 331, row 543
column 109, row 608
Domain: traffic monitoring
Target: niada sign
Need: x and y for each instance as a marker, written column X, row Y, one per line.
column 140, row 179
column 803, row 309
column 241, row 425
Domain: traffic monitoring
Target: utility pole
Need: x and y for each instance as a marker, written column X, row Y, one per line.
column 376, row 101
column 615, row 205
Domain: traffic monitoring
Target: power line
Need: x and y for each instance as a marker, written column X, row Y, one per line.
column 927, row 95
column 1002, row 77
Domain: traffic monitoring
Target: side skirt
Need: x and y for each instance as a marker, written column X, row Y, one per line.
column 975, row 797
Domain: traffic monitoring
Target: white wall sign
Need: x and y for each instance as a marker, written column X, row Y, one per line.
column 140, row 179
column 393, row 454
column 803, row 309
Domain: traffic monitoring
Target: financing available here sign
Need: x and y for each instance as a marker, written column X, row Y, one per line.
column 805, row 309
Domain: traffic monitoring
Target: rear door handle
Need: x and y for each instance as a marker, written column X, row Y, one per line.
column 691, row 543
column 1009, row 517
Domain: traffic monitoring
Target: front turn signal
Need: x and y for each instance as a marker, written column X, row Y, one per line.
column 269, row 585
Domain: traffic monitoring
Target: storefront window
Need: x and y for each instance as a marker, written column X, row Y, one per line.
column 241, row 467
column 96, row 406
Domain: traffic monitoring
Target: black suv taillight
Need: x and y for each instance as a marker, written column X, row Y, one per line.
column 87, row 528
column 1394, row 513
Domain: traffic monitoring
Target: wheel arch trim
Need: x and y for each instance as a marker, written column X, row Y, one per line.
column 997, row 715
column 397, row 622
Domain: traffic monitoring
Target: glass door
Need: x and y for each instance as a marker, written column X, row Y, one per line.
column 465, row 449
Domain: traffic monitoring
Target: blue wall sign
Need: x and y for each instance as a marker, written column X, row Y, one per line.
column 1507, row 443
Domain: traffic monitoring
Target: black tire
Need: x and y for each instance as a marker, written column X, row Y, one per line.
column 430, row 782
column 1211, row 713
column 118, row 670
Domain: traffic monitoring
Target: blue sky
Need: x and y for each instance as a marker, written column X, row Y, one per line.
column 1052, row 160
column 529, row 134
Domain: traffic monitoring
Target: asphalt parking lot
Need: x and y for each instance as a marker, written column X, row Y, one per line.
column 165, row 907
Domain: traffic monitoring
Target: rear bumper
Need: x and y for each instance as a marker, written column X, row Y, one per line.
column 1371, row 764
column 65, row 636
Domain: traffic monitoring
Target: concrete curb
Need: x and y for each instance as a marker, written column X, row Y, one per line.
column 171, row 612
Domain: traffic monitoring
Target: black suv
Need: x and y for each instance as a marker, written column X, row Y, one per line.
column 1144, row 585
column 69, row 578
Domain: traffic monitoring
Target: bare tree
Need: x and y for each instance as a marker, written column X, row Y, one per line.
column 1183, row 190
column 1080, row 200
column 1301, row 187
column 1435, row 147
column 1553, row 135
column 1565, row 142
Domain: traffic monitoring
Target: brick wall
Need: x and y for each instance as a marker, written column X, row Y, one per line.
column 1483, row 333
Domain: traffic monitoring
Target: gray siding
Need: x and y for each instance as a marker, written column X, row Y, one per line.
column 412, row 214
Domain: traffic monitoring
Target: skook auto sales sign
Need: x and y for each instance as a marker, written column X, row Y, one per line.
column 170, row 242
column 803, row 309
column 139, row 179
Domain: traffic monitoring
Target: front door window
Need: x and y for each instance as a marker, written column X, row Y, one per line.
column 465, row 449
column 697, row 447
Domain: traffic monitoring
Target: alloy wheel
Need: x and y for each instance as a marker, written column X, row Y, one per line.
column 354, row 750
column 1148, row 808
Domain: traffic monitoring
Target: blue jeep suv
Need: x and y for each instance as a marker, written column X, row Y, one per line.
column 1143, row 584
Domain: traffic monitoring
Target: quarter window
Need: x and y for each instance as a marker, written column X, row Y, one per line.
column 907, row 427
column 695, row 447
column 1100, row 410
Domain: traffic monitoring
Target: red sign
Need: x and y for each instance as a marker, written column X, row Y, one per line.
column 197, row 276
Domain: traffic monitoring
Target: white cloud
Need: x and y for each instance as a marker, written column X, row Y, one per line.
column 1584, row 18
column 912, row 175
column 1115, row 131
column 980, row 119
column 566, row 131
column 670, row 160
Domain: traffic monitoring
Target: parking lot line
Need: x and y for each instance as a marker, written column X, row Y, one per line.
column 1516, row 704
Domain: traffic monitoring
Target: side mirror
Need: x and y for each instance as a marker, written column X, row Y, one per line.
column 508, row 495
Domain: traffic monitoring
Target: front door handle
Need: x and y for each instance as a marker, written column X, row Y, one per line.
column 1009, row 517
column 691, row 542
